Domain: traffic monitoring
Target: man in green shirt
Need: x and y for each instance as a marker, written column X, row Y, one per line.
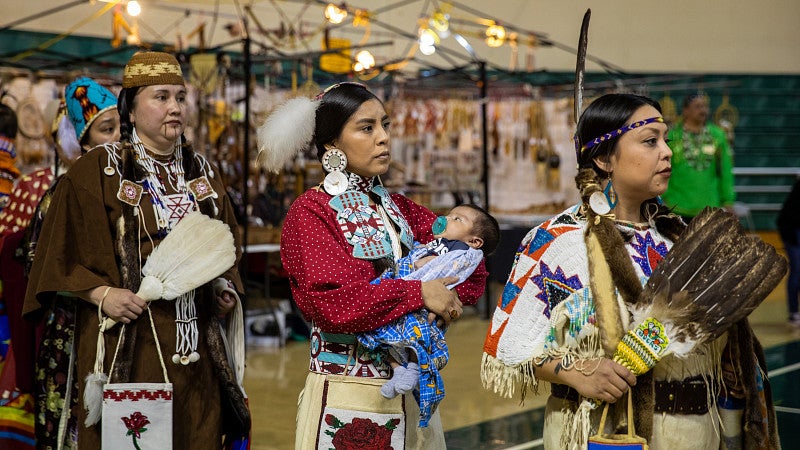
column 702, row 162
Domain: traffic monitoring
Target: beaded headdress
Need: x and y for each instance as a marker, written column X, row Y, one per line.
column 86, row 100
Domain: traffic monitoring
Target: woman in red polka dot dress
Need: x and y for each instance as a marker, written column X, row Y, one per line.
column 338, row 237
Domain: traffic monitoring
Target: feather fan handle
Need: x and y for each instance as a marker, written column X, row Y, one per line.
column 641, row 348
column 288, row 130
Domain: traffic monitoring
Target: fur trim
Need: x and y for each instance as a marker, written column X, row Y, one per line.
column 288, row 130
column 644, row 399
column 605, row 297
column 236, row 414
column 748, row 356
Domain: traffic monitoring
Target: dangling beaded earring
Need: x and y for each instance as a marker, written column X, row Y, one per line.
column 334, row 162
column 610, row 193
column 602, row 202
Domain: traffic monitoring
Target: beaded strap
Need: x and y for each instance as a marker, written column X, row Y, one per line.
column 641, row 348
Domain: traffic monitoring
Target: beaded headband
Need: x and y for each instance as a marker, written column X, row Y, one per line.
column 612, row 134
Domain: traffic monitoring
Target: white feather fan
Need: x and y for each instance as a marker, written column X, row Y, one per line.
column 195, row 252
column 287, row 131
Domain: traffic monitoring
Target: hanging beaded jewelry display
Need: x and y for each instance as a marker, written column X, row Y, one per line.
column 698, row 148
column 168, row 210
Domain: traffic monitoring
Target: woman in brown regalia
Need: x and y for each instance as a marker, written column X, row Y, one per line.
column 114, row 205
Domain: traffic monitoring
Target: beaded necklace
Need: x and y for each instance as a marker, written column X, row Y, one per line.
column 698, row 148
column 154, row 184
column 186, row 330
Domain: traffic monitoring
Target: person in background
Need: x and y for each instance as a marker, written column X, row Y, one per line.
column 337, row 238
column 110, row 210
column 87, row 118
column 789, row 230
column 8, row 154
column 16, row 418
column 702, row 162
column 595, row 257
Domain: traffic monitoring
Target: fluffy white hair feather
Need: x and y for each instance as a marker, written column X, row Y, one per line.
column 287, row 131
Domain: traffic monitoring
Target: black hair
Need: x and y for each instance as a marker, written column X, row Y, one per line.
column 692, row 97
column 125, row 102
column 337, row 105
column 606, row 114
column 8, row 122
column 486, row 227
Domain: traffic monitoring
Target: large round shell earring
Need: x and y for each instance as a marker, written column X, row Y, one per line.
column 334, row 162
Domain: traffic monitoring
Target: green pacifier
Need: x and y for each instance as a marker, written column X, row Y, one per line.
column 439, row 225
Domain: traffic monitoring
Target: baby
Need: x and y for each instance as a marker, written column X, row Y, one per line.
column 417, row 349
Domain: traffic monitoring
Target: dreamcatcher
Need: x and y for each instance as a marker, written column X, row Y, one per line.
column 31, row 142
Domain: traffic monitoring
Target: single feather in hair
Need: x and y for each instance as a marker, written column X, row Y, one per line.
column 288, row 130
column 713, row 277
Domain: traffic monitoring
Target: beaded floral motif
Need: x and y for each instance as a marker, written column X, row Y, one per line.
column 130, row 192
column 360, row 433
column 202, row 189
column 136, row 425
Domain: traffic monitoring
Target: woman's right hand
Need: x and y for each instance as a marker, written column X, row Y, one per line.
column 608, row 382
column 441, row 301
column 120, row 304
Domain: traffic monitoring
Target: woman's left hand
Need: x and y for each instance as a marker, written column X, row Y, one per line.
column 225, row 303
column 226, row 296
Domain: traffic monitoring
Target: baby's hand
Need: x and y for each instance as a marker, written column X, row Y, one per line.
column 422, row 261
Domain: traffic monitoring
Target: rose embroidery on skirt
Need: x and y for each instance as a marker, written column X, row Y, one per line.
column 360, row 434
column 136, row 424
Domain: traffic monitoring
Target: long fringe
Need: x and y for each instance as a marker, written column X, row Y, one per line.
column 503, row 379
column 575, row 436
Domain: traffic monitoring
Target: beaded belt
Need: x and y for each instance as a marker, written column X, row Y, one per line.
column 687, row 396
column 340, row 354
